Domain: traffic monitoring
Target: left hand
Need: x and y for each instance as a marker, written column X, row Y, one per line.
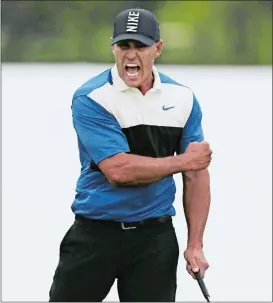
column 196, row 261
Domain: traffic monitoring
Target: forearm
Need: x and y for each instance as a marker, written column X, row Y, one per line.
column 137, row 182
column 133, row 169
column 196, row 201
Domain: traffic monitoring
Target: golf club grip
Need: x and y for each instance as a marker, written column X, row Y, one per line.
column 202, row 285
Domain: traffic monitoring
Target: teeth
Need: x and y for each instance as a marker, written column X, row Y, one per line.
column 132, row 75
column 131, row 65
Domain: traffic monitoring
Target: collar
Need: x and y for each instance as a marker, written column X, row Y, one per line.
column 119, row 84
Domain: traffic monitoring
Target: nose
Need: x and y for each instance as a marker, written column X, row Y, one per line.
column 131, row 51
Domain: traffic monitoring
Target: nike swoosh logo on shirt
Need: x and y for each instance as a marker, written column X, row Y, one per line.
column 167, row 108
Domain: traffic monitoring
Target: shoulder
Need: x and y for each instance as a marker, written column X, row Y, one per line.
column 83, row 97
column 165, row 79
column 93, row 84
column 176, row 87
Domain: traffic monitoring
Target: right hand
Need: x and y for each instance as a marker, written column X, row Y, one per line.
column 198, row 156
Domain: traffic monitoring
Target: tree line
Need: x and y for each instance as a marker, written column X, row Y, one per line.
column 194, row 32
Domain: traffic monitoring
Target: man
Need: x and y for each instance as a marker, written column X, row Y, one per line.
column 130, row 122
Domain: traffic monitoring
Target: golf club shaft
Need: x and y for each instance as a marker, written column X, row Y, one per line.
column 202, row 286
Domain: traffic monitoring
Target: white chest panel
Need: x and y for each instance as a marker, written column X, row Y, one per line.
column 170, row 106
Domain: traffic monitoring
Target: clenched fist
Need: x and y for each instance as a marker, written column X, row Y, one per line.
column 198, row 156
column 196, row 261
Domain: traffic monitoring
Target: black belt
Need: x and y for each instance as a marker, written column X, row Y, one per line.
column 124, row 225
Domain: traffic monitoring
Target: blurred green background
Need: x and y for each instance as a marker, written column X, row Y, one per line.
column 194, row 32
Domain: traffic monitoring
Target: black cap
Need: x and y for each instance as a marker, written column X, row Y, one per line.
column 136, row 24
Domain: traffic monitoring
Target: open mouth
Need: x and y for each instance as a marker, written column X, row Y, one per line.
column 132, row 69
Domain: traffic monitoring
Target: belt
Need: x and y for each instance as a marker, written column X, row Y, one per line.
column 124, row 225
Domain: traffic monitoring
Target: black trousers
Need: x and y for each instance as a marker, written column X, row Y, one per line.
column 93, row 254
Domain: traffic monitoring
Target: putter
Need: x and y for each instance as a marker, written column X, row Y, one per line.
column 202, row 286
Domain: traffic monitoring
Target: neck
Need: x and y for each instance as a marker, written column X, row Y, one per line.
column 147, row 84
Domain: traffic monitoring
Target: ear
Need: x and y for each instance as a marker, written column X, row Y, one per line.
column 159, row 46
column 113, row 49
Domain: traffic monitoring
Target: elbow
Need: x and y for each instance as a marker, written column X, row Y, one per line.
column 113, row 178
column 117, row 177
column 117, row 169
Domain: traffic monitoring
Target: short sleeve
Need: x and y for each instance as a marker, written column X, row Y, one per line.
column 192, row 131
column 98, row 131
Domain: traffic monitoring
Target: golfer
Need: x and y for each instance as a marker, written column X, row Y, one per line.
column 136, row 127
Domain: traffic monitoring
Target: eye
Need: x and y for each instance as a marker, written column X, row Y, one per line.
column 126, row 44
column 123, row 44
column 140, row 45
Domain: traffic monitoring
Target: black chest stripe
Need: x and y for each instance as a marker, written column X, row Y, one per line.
column 153, row 141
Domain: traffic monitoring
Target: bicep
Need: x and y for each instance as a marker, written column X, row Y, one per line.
column 192, row 131
column 97, row 130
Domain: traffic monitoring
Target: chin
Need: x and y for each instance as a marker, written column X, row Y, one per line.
column 133, row 82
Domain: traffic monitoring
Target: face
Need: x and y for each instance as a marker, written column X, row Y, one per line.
column 135, row 61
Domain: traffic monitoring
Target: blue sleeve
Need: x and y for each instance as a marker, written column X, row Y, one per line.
column 192, row 131
column 98, row 131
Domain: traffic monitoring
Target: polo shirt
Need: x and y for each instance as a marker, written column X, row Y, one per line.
column 110, row 118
